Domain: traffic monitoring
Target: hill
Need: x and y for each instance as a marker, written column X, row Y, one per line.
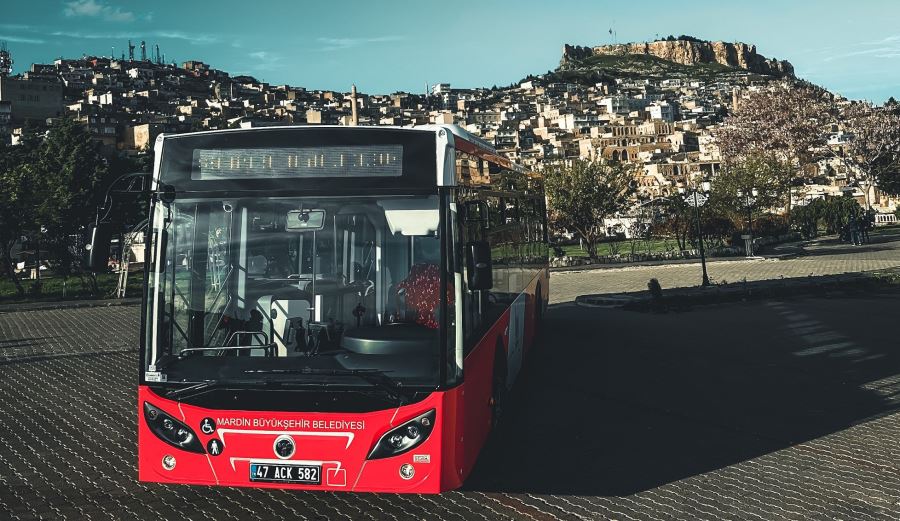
column 681, row 57
column 597, row 68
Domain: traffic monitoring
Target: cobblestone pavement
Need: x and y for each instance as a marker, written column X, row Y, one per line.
column 801, row 424
column 826, row 257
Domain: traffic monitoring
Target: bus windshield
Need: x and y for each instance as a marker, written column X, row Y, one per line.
column 247, row 287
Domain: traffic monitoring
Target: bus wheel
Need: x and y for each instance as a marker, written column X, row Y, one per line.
column 498, row 388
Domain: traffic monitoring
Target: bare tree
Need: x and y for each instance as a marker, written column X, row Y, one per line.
column 785, row 121
column 874, row 147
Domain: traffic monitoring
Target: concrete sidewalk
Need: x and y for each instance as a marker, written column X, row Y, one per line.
column 816, row 259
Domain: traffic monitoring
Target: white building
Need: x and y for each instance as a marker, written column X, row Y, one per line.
column 662, row 110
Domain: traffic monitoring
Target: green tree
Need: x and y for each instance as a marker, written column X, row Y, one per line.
column 71, row 173
column 128, row 205
column 17, row 202
column 50, row 188
column 750, row 185
column 676, row 220
column 837, row 212
column 806, row 218
column 583, row 194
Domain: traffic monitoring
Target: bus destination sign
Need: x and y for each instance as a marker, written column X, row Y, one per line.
column 318, row 161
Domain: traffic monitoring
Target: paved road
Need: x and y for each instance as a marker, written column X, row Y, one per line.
column 825, row 257
column 749, row 411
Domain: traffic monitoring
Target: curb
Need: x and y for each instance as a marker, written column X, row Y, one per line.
column 609, row 301
column 642, row 264
column 68, row 304
column 639, row 300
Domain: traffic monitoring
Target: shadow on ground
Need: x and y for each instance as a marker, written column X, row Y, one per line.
column 617, row 402
column 879, row 241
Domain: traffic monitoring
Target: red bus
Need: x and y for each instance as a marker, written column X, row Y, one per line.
column 334, row 308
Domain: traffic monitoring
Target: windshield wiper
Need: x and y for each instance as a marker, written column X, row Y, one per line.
column 192, row 389
column 376, row 378
column 199, row 387
column 167, row 360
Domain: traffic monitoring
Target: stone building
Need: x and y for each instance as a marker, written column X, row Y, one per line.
column 32, row 99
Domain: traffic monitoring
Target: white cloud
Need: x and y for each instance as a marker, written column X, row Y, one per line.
column 188, row 37
column 15, row 27
column 266, row 61
column 197, row 38
column 886, row 39
column 95, row 9
column 20, row 39
column 876, row 52
column 886, row 48
column 335, row 44
column 83, row 8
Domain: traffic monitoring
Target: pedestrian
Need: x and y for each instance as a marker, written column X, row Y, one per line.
column 868, row 224
column 854, row 229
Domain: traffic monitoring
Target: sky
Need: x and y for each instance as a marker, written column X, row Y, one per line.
column 852, row 48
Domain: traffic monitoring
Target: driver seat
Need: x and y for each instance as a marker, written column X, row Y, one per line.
column 285, row 318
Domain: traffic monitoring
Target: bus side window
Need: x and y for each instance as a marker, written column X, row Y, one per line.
column 472, row 226
column 527, row 234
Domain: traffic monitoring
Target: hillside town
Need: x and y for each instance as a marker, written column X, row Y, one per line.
column 663, row 124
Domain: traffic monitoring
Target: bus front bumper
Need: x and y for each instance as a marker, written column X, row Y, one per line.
column 309, row 451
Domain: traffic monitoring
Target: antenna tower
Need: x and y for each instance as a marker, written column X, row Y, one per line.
column 5, row 60
column 130, row 51
column 143, row 51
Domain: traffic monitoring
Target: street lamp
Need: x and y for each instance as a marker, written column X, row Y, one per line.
column 698, row 198
column 749, row 198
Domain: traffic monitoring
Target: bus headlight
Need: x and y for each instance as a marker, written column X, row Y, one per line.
column 171, row 430
column 405, row 437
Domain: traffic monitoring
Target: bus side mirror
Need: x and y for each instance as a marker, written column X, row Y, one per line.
column 478, row 262
column 98, row 248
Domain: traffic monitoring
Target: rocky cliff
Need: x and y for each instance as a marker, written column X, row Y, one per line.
column 737, row 55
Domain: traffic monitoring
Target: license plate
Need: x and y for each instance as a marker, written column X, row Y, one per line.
column 272, row 473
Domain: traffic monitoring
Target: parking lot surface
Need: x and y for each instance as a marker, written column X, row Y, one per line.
column 770, row 410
